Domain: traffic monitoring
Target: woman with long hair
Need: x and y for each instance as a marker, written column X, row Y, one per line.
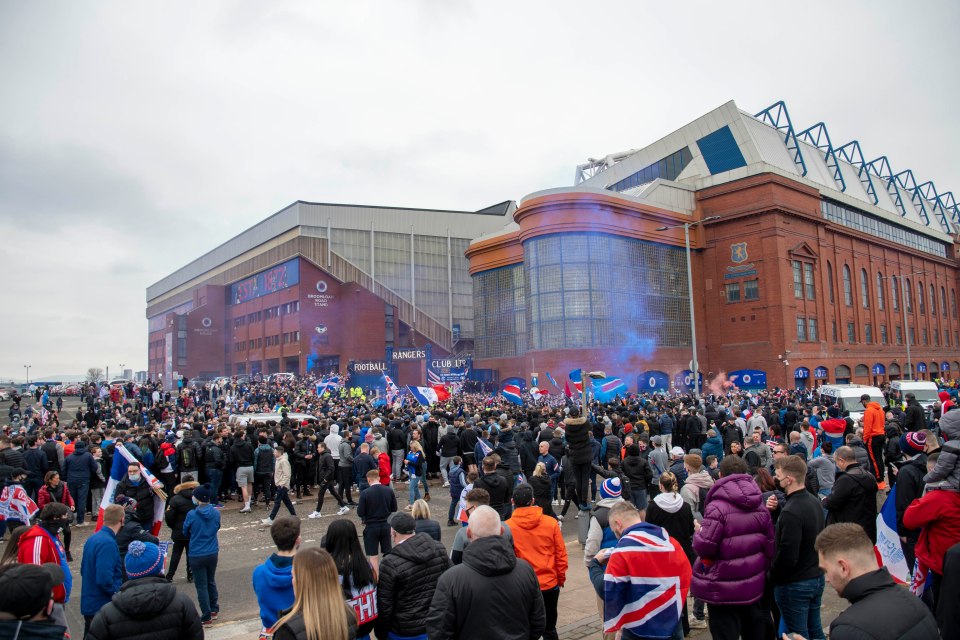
column 421, row 517
column 53, row 490
column 357, row 577
column 318, row 608
column 540, row 482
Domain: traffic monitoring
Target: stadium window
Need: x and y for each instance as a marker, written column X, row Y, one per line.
column 751, row 290
column 895, row 293
column 933, row 300
column 801, row 329
column 953, row 302
column 797, row 279
column 879, row 291
column 847, row 287
column 943, row 302
column 868, row 333
column 833, row 330
column 923, row 334
column 830, row 280
column 864, row 289
column 733, row 292
column 812, row 329
column 908, row 295
column 920, row 304
column 883, row 334
column 851, row 333
column 899, row 333
column 811, row 290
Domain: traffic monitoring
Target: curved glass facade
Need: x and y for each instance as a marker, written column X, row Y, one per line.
column 600, row 290
column 499, row 313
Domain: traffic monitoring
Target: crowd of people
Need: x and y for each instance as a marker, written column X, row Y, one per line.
column 742, row 506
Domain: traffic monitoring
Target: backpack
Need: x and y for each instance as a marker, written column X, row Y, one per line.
column 187, row 456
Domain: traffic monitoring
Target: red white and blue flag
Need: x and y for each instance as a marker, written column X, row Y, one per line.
column 646, row 583
column 577, row 377
column 888, row 548
column 15, row 504
column 512, row 393
column 121, row 460
column 607, row 389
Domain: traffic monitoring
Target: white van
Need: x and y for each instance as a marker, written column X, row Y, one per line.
column 847, row 397
column 925, row 391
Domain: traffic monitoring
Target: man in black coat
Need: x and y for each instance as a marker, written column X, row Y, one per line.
column 854, row 495
column 914, row 418
column 492, row 594
column 580, row 454
column 409, row 573
column 879, row 608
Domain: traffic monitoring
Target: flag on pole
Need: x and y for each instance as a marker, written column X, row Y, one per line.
column 538, row 392
column 606, row 389
column 426, row 396
column 512, row 393
column 577, row 378
column 552, row 380
column 441, row 391
column 566, row 390
column 121, row 460
column 888, row 548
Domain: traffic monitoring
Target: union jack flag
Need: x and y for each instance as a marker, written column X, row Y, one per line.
column 646, row 583
column 15, row 504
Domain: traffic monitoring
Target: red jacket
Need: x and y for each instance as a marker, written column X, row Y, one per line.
column 44, row 498
column 937, row 515
column 36, row 546
column 383, row 463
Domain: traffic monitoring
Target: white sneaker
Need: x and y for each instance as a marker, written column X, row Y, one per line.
column 266, row 521
column 559, row 517
column 445, row 484
column 315, row 514
column 245, row 510
column 293, row 502
column 577, row 517
column 343, row 510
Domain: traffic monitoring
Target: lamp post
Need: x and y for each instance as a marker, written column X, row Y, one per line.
column 27, row 367
column 693, row 322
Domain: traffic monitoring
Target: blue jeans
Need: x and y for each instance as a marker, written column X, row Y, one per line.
column 79, row 492
column 282, row 497
column 799, row 604
column 215, row 476
column 423, row 479
column 414, row 489
column 204, row 578
column 640, row 499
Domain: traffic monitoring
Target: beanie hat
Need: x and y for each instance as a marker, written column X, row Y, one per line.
column 202, row 494
column 143, row 559
column 913, row 442
column 610, row 488
column 833, row 412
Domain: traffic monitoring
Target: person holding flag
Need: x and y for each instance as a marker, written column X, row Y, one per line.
column 122, row 472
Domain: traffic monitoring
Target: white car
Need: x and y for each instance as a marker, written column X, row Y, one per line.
column 4, row 395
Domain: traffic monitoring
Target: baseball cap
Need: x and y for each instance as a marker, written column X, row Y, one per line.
column 676, row 451
column 25, row 589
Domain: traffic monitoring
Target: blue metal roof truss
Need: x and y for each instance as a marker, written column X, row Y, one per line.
column 817, row 136
column 777, row 116
column 852, row 153
column 881, row 168
column 906, row 180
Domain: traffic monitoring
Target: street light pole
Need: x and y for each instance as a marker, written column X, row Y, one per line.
column 906, row 327
column 27, row 367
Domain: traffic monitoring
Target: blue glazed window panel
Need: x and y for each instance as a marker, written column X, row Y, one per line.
column 720, row 151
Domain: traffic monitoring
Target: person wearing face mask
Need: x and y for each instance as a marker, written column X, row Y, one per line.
column 879, row 608
column 796, row 576
column 40, row 545
column 131, row 528
column 135, row 486
column 26, row 603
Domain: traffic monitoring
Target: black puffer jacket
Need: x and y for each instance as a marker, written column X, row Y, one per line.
column 638, row 471
column 150, row 608
column 578, row 441
column 879, row 608
column 179, row 506
column 491, row 594
column 408, row 576
column 854, row 499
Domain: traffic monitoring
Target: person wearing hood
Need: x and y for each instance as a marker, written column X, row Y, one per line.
column 41, row 545
column 26, row 604
column 409, row 573
column 713, row 446
column 538, row 540
column 600, row 535
column 181, row 503
column 495, row 484
column 200, row 527
column 698, row 484
column 135, row 486
column 670, row 511
column 854, row 494
column 735, row 548
column 148, row 606
column 492, row 594
column 78, row 468
column 580, row 452
column 507, row 448
column 637, row 470
column 273, row 580
column 946, row 473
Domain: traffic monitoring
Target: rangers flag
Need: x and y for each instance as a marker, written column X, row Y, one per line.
column 118, row 471
column 512, row 393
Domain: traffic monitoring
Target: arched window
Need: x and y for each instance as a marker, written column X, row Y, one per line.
column 921, row 307
column 895, row 293
column 864, row 289
column 943, row 302
column 879, row 291
column 847, row 287
column 830, row 280
column 908, row 294
column 933, row 300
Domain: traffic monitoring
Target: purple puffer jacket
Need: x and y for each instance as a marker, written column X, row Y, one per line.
column 734, row 546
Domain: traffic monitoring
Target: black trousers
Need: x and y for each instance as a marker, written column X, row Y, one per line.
column 550, row 599
column 731, row 622
column 300, row 478
column 263, row 482
column 179, row 546
column 327, row 485
column 581, row 476
column 345, row 477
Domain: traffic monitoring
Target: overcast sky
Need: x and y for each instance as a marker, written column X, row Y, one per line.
column 136, row 136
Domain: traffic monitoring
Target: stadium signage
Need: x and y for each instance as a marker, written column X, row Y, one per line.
column 409, row 354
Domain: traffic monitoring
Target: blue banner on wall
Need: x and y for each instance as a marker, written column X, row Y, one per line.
column 272, row 280
column 750, row 378
column 684, row 380
column 449, row 370
column 651, row 381
column 820, row 373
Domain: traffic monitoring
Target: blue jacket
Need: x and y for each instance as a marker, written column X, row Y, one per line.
column 713, row 447
column 200, row 527
column 273, row 584
column 666, row 423
column 79, row 465
column 100, row 571
column 553, row 469
column 457, row 481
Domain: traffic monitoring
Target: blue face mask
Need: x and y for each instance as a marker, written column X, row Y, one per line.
column 195, row 501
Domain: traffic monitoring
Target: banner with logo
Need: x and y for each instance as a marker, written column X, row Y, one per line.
column 448, row 370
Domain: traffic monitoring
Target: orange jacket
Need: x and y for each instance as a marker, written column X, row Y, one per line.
column 537, row 539
column 873, row 421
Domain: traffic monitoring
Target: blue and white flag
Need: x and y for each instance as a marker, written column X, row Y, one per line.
column 606, row 389
column 888, row 547
column 551, row 379
column 424, row 395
